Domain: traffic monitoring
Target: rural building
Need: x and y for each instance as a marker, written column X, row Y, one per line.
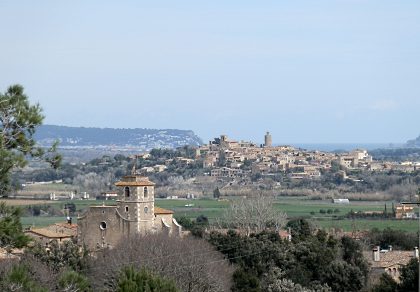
column 389, row 261
column 226, row 172
column 341, row 201
column 135, row 213
column 59, row 232
column 349, row 161
column 107, row 196
column 404, row 212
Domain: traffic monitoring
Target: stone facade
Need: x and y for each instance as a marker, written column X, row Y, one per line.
column 135, row 213
column 268, row 141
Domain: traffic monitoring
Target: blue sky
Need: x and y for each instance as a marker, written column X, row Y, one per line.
column 308, row 71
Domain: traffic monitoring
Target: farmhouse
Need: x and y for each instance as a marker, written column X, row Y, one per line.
column 389, row 261
column 404, row 212
column 59, row 232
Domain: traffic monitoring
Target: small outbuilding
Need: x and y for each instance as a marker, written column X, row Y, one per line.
column 341, row 201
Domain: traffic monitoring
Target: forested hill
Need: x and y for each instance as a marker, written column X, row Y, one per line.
column 145, row 139
column 414, row 142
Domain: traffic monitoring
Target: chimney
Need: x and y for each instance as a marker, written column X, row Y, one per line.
column 416, row 252
column 376, row 252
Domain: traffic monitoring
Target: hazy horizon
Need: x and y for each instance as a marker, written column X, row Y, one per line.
column 260, row 140
column 339, row 71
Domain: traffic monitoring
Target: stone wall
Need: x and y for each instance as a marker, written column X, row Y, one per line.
column 102, row 227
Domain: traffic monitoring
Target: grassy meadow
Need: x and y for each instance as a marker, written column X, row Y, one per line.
column 292, row 206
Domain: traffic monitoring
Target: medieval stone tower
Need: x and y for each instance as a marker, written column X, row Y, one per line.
column 134, row 213
column 136, row 202
column 268, row 142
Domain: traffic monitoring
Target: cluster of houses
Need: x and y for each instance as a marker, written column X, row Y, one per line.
column 229, row 158
column 226, row 158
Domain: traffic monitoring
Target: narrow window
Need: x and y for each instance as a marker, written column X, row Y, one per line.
column 126, row 209
column 145, row 192
column 146, row 210
column 127, row 191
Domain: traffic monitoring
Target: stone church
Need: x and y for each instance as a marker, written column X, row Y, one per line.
column 135, row 213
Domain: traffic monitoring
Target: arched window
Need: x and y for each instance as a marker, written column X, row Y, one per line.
column 127, row 191
column 145, row 192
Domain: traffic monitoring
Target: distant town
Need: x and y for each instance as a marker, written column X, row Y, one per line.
column 229, row 158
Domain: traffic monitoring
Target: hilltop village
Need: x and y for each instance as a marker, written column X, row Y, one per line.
column 227, row 158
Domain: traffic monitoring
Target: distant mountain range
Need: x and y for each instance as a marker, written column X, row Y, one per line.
column 141, row 139
column 413, row 143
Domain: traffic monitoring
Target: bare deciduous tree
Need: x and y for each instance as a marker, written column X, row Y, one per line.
column 192, row 263
column 254, row 215
column 32, row 271
column 91, row 182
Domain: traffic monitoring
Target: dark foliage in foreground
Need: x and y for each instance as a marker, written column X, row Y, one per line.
column 309, row 260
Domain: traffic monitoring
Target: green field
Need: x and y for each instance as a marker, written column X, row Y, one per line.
column 293, row 207
column 41, row 221
column 211, row 208
column 365, row 224
column 298, row 207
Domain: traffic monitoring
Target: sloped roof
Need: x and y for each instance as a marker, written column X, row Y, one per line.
column 159, row 210
column 48, row 233
column 134, row 184
column 66, row 225
column 134, row 180
column 390, row 258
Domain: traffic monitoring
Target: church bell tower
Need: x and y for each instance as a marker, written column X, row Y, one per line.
column 136, row 202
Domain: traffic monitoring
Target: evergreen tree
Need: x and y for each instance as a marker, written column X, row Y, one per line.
column 18, row 122
column 216, row 193
column 409, row 277
column 73, row 281
column 386, row 284
column 18, row 278
column 244, row 281
column 11, row 233
column 131, row 280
